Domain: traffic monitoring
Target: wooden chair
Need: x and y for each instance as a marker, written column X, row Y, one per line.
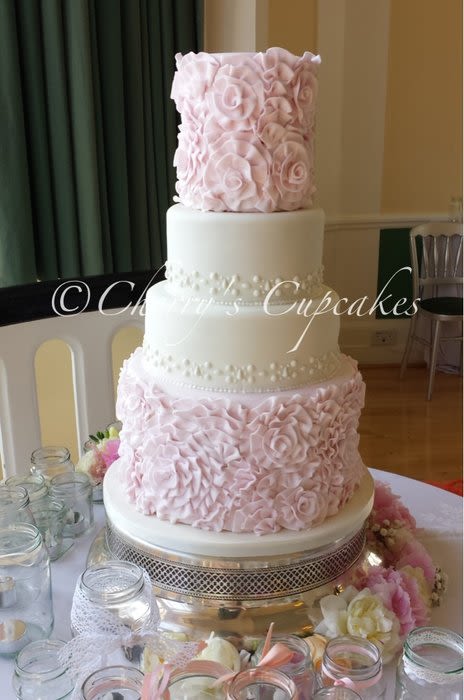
column 436, row 255
column 28, row 318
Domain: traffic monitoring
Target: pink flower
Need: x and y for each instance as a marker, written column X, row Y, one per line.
column 235, row 174
column 414, row 554
column 300, row 508
column 195, row 73
column 109, row 451
column 291, row 175
column 388, row 506
column 236, row 97
column 304, row 94
column 400, row 593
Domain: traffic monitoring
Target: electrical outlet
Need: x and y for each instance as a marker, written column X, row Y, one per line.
column 383, row 338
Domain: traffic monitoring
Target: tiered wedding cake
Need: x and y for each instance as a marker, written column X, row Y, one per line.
column 239, row 412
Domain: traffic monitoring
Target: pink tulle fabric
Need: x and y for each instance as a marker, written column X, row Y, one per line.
column 220, row 463
column 246, row 137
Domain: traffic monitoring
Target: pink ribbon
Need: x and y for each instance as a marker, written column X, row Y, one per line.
column 155, row 685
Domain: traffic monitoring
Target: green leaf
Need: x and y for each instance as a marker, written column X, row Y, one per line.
column 93, row 438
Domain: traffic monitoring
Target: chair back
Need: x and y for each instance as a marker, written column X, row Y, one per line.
column 436, row 256
column 99, row 308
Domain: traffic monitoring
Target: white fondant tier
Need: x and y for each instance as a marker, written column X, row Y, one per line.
column 149, row 531
column 242, row 257
column 240, row 348
column 241, row 462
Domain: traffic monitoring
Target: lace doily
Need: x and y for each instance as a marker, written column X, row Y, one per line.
column 99, row 633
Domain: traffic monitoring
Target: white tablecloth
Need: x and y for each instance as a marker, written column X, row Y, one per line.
column 437, row 511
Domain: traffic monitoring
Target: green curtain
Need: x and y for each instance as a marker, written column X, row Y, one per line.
column 88, row 133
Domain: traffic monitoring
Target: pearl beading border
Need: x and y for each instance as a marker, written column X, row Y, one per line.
column 277, row 375
column 230, row 287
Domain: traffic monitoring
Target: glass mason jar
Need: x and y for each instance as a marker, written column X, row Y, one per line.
column 431, row 665
column 121, row 682
column 39, row 673
column 14, row 506
column 50, row 461
column 336, row 693
column 34, row 484
column 75, row 491
column 194, row 686
column 26, row 612
column 299, row 668
column 117, row 587
column 259, row 683
column 355, row 663
column 50, row 517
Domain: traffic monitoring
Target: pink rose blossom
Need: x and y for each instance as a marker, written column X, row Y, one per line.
column 291, row 173
column 109, row 451
column 400, row 593
column 236, row 97
column 388, row 506
column 235, row 174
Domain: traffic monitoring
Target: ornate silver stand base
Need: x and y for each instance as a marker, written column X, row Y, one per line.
column 238, row 598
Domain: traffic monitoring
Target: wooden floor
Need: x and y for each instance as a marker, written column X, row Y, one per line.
column 401, row 432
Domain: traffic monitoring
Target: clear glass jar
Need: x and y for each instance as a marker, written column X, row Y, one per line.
column 260, row 683
column 26, row 612
column 118, row 587
column 14, row 506
column 336, row 693
column 299, row 668
column 50, row 516
column 194, row 686
column 75, row 491
column 121, row 682
column 356, row 663
column 39, row 673
column 50, row 461
column 34, row 484
column 430, row 667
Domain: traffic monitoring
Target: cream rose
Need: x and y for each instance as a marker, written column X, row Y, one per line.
column 361, row 614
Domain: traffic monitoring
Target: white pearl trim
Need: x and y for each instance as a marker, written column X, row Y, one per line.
column 225, row 289
column 276, row 376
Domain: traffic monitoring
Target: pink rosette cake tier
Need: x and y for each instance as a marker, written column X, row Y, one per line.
column 246, row 136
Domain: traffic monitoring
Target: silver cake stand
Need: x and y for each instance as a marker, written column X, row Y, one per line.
column 238, row 597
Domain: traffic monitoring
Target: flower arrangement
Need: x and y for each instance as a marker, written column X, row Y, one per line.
column 101, row 450
column 385, row 601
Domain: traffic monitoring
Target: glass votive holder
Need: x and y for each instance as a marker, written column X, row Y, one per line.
column 356, row 663
column 118, row 587
column 39, row 673
column 194, row 686
column 121, row 682
column 34, row 484
column 50, row 461
column 50, row 516
column 299, row 668
column 430, row 667
column 336, row 693
column 257, row 683
column 26, row 612
column 75, row 491
column 14, row 506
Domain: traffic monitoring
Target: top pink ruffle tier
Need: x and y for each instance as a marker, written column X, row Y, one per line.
column 246, row 135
